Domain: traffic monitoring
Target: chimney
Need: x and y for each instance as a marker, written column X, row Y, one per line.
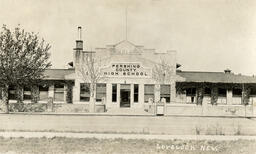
column 79, row 41
column 79, row 48
column 227, row 71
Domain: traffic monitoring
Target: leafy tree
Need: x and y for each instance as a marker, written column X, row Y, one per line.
column 23, row 59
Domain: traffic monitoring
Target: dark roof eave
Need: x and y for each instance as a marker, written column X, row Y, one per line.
column 216, row 82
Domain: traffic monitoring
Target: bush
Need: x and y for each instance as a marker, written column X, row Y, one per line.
column 31, row 107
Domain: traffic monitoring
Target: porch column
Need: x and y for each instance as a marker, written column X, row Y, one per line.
column 51, row 91
column 118, row 95
column 141, row 94
column 109, row 95
column 76, row 92
column 173, row 92
column 65, row 93
column 132, row 95
column 157, row 93
column 229, row 96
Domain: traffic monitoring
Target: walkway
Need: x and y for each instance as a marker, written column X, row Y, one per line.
column 123, row 136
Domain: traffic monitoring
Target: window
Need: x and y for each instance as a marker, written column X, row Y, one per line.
column 207, row 91
column 27, row 93
column 114, row 92
column 136, row 93
column 165, row 92
column 237, row 92
column 12, row 93
column 100, row 91
column 191, row 91
column 222, row 92
column 148, row 92
column 85, row 92
column 59, row 92
column 43, row 93
column 253, row 92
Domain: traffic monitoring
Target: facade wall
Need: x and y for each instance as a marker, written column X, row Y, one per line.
column 128, row 54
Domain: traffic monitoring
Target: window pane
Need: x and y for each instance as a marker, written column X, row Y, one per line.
column 114, row 92
column 85, row 92
column 191, row 91
column 149, row 89
column 136, row 93
column 12, row 93
column 58, row 92
column 222, row 92
column 100, row 91
column 253, row 91
column 147, row 96
column 165, row 92
column 148, row 92
column 27, row 93
column 207, row 91
column 237, row 92
column 43, row 93
column 58, row 96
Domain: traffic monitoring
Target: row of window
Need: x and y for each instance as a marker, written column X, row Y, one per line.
column 221, row 92
column 149, row 92
column 43, row 93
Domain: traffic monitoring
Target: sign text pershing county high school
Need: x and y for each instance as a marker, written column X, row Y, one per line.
column 126, row 69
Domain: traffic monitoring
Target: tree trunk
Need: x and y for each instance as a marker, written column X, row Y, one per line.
column 246, row 96
column 92, row 99
column 5, row 100
column 34, row 94
column 214, row 95
column 69, row 93
column 19, row 96
column 200, row 95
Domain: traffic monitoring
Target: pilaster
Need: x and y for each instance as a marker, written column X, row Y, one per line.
column 229, row 96
column 118, row 95
column 141, row 94
column 132, row 96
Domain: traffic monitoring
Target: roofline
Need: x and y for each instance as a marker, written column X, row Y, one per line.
column 198, row 72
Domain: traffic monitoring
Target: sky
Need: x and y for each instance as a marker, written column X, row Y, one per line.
column 208, row 35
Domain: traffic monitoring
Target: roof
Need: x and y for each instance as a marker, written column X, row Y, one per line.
column 215, row 77
column 189, row 76
column 57, row 74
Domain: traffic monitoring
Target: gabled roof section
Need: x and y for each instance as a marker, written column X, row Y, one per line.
column 57, row 74
column 215, row 77
column 126, row 47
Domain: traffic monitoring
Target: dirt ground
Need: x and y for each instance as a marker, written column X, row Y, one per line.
column 129, row 124
column 134, row 146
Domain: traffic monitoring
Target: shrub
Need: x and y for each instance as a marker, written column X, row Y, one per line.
column 31, row 107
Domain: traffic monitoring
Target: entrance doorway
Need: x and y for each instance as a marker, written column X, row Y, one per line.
column 125, row 96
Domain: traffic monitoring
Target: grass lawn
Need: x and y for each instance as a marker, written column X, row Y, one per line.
column 93, row 145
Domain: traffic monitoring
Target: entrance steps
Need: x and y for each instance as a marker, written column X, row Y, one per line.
column 127, row 111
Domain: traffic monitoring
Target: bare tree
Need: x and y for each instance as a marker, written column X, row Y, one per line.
column 90, row 73
column 162, row 72
column 23, row 59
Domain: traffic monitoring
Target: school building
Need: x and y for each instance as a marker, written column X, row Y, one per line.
column 134, row 77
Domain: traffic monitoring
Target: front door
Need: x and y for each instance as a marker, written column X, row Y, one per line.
column 125, row 97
